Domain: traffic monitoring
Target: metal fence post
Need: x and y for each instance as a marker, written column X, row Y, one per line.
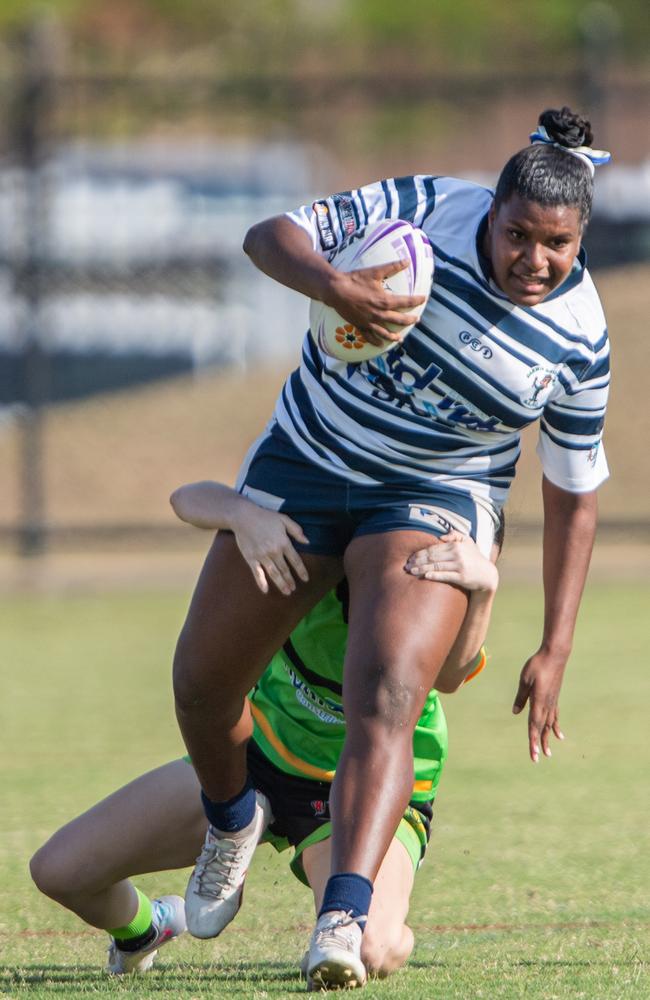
column 600, row 29
column 30, row 126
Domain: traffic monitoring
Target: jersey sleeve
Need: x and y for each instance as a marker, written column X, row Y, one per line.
column 330, row 221
column 571, row 427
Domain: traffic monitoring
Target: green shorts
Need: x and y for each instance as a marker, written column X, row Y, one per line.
column 413, row 832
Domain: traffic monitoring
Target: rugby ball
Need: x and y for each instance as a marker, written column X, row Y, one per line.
column 378, row 243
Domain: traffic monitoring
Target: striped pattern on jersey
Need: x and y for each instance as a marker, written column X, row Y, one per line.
column 448, row 404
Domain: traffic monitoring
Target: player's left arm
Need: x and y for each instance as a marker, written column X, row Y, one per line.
column 569, row 531
column 264, row 537
column 457, row 559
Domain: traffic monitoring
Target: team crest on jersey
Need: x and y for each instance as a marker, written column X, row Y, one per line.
column 324, row 221
column 542, row 381
column 438, row 517
column 319, row 807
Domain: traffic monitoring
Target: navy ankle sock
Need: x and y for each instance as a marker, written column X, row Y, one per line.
column 350, row 892
column 235, row 813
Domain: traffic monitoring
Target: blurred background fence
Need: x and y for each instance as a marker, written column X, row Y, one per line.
column 125, row 193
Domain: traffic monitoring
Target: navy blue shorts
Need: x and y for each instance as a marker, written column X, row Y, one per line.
column 332, row 510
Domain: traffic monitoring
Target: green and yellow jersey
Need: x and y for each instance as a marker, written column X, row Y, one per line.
column 298, row 712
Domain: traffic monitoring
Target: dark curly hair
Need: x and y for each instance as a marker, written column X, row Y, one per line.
column 545, row 174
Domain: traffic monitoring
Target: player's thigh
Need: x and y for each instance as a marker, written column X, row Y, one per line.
column 399, row 624
column 155, row 822
column 232, row 629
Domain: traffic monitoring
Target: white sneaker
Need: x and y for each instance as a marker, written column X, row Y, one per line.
column 168, row 922
column 335, row 952
column 214, row 892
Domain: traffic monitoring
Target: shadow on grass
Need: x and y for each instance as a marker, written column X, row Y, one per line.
column 169, row 978
column 227, row 979
column 538, row 963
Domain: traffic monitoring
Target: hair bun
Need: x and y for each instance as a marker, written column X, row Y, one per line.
column 567, row 128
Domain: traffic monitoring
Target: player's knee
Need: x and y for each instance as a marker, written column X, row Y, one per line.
column 49, row 873
column 383, row 951
column 195, row 693
column 61, row 873
column 191, row 676
column 393, row 704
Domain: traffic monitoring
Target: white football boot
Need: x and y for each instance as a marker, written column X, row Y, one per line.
column 214, row 892
column 334, row 960
column 168, row 923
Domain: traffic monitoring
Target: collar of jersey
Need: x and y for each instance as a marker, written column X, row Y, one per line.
column 574, row 278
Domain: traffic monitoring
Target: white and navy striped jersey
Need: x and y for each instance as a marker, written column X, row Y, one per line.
column 448, row 404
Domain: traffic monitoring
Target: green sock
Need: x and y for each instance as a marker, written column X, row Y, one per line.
column 140, row 924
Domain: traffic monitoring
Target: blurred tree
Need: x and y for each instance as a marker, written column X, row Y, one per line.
column 486, row 32
column 338, row 34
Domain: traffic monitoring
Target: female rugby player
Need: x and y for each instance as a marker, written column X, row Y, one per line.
column 371, row 459
column 157, row 822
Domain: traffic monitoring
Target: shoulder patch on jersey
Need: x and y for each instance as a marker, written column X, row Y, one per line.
column 347, row 214
column 324, row 222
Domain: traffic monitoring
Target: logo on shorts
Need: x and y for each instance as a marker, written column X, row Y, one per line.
column 262, row 498
column 437, row 517
column 477, row 345
column 319, row 807
column 543, row 380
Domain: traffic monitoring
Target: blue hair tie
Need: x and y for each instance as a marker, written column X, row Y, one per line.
column 592, row 157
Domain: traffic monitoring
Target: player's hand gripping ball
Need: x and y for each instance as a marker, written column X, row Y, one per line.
column 379, row 243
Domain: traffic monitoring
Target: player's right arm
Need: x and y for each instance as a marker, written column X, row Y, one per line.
column 456, row 559
column 284, row 251
column 263, row 536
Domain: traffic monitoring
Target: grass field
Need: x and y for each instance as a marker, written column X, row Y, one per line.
column 537, row 879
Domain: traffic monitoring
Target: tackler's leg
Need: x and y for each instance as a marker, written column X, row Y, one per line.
column 155, row 823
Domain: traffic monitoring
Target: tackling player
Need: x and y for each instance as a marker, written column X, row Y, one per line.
column 87, row 866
